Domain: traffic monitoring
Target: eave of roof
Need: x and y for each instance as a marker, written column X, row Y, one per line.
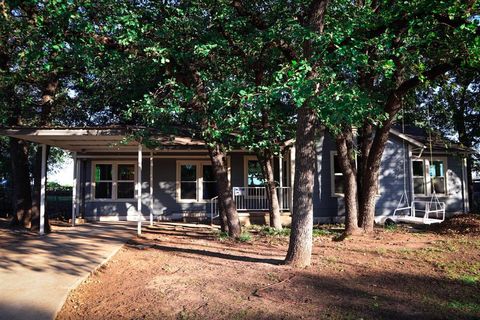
column 97, row 139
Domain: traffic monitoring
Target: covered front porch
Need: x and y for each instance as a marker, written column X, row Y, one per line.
column 118, row 179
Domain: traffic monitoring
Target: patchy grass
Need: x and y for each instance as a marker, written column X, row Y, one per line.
column 222, row 235
column 245, row 237
column 469, row 307
column 318, row 231
column 392, row 274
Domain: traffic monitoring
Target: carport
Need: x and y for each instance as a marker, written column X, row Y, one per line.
column 93, row 140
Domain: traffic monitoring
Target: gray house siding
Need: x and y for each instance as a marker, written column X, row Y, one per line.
column 327, row 206
column 393, row 180
column 164, row 187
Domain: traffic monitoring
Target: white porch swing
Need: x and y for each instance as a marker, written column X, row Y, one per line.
column 416, row 212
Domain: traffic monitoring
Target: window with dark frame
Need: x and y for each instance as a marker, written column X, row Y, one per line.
column 338, row 183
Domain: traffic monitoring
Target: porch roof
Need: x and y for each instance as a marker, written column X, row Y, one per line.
column 97, row 139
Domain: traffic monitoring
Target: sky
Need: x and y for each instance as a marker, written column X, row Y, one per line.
column 64, row 174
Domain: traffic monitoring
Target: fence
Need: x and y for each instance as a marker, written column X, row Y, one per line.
column 58, row 202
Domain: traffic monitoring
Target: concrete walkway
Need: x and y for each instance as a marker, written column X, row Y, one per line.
column 38, row 272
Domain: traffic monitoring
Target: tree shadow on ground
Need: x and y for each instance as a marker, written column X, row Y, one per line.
column 65, row 251
column 381, row 295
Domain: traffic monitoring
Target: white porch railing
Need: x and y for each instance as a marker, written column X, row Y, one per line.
column 253, row 199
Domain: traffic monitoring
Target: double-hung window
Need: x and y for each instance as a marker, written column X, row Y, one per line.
column 419, row 186
column 254, row 179
column 114, row 180
column 338, row 187
column 195, row 181
column 254, row 174
column 429, row 176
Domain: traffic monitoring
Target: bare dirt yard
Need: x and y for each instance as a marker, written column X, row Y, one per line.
column 191, row 272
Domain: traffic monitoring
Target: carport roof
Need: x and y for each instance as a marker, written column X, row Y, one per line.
column 98, row 139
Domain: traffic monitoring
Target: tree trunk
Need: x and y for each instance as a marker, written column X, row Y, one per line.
column 370, row 178
column 22, row 193
column 222, row 217
column 225, row 195
column 300, row 246
column 37, row 185
column 347, row 165
column 266, row 159
column 466, row 140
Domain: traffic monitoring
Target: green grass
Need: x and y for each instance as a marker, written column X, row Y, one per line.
column 272, row 232
column 245, row 237
column 391, row 227
column 222, row 235
column 470, row 307
column 324, row 232
column 285, row 232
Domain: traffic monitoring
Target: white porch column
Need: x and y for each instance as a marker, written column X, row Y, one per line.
column 79, row 186
column 74, row 189
column 42, row 188
column 410, row 174
column 280, row 177
column 151, row 188
column 139, row 190
column 292, row 175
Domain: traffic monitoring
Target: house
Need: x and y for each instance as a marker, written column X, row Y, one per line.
column 115, row 179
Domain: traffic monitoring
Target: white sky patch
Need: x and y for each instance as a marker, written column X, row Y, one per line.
column 64, row 174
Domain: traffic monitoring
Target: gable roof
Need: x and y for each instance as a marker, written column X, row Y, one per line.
column 419, row 137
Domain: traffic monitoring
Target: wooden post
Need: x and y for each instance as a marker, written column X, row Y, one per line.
column 42, row 188
column 151, row 188
column 139, row 190
column 74, row 189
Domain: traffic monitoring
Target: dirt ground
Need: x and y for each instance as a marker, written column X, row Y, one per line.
column 189, row 272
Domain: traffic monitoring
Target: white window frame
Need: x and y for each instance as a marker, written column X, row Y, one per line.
column 199, row 180
column 423, row 177
column 333, row 175
column 426, row 172
column 114, row 180
column 247, row 158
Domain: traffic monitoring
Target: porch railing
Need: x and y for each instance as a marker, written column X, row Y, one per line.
column 253, row 199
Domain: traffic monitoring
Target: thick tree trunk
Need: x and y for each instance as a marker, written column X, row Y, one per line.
column 37, row 184
column 467, row 141
column 22, row 193
column 347, row 165
column 222, row 217
column 266, row 159
column 225, row 195
column 370, row 178
column 300, row 246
